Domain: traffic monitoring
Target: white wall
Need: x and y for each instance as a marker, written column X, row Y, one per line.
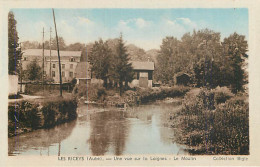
column 13, row 84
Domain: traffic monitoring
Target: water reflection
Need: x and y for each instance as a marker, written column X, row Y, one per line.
column 139, row 130
column 40, row 139
column 108, row 128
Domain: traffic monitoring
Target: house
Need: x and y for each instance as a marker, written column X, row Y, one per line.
column 68, row 59
column 83, row 73
column 143, row 74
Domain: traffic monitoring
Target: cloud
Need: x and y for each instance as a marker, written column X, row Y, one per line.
column 141, row 23
column 188, row 22
column 84, row 21
column 135, row 22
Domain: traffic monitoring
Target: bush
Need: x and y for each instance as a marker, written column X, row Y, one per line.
column 222, row 94
column 92, row 92
column 26, row 116
column 147, row 95
column 59, row 110
column 209, row 127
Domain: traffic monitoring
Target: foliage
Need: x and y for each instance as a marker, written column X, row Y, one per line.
column 34, row 71
column 92, row 92
column 207, row 127
column 100, row 60
column 14, row 53
column 167, row 59
column 201, row 54
column 62, row 44
column 59, row 110
column 121, row 69
column 148, row 95
column 222, row 94
column 30, row 115
column 235, row 48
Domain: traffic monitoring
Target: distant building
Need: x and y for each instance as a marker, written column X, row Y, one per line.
column 143, row 74
column 69, row 61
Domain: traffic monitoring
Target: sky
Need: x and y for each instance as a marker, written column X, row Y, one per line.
column 144, row 28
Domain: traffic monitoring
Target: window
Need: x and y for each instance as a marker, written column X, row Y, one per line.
column 72, row 59
column 71, row 74
column 63, row 66
column 150, row 75
column 137, row 75
column 63, row 74
column 71, row 66
column 53, row 73
column 53, row 65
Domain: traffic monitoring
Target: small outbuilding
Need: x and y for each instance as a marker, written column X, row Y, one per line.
column 143, row 74
column 182, row 79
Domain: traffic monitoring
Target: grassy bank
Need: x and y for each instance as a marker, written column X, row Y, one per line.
column 131, row 97
column 25, row 116
column 214, row 122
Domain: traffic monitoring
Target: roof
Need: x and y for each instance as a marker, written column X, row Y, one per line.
column 137, row 65
column 83, row 70
column 38, row 52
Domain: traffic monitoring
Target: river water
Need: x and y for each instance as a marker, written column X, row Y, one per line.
column 138, row 130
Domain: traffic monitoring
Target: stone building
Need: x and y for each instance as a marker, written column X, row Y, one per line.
column 69, row 61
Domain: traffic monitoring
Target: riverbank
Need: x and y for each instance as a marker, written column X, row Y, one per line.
column 29, row 115
column 213, row 122
column 130, row 97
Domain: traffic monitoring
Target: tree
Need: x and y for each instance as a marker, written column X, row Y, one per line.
column 100, row 60
column 76, row 47
column 62, row 44
column 235, row 48
column 167, row 64
column 122, row 70
column 34, row 71
column 14, row 53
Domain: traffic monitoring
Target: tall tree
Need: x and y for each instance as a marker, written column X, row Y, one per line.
column 99, row 58
column 122, row 69
column 14, row 53
column 167, row 64
column 235, row 48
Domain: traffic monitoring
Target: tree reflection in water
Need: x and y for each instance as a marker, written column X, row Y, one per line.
column 109, row 130
column 42, row 138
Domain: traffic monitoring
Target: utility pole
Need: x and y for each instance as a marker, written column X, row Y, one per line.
column 43, row 59
column 58, row 51
column 50, row 52
column 21, row 68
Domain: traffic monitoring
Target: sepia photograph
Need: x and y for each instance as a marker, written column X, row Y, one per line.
column 128, row 81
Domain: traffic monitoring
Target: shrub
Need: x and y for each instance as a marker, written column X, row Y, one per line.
column 222, row 94
column 59, row 110
column 211, row 128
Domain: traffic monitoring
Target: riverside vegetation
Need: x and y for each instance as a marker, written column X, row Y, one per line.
column 213, row 122
column 26, row 116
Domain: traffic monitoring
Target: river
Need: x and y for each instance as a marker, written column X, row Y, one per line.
column 138, row 130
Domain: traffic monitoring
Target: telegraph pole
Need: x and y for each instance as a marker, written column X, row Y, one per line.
column 43, row 59
column 50, row 52
column 21, row 68
column 58, row 52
